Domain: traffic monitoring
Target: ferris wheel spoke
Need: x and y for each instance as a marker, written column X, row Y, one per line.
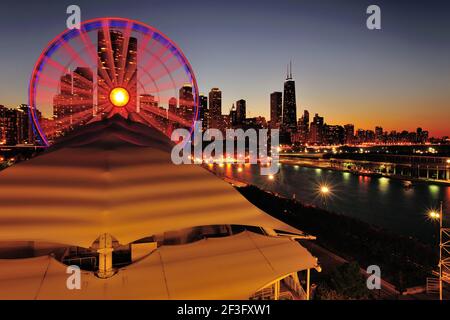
column 161, row 63
column 75, row 56
column 112, row 48
column 106, row 34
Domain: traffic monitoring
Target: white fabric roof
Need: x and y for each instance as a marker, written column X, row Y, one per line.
column 115, row 178
column 233, row 267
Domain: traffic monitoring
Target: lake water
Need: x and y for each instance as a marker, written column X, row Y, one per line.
column 379, row 201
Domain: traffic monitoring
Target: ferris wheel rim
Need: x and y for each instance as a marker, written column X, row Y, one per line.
column 62, row 37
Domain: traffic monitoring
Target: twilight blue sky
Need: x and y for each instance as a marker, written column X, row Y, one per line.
column 398, row 77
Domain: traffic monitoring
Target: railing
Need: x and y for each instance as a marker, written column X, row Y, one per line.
column 290, row 289
column 294, row 286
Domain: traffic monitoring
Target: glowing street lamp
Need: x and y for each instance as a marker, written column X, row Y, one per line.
column 324, row 190
column 443, row 246
column 434, row 215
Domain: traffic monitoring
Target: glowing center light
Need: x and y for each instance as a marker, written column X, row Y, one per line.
column 324, row 190
column 119, row 97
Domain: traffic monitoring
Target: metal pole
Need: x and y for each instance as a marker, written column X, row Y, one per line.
column 307, row 283
column 440, row 251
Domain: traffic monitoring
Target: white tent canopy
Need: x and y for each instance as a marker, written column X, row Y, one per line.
column 233, row 267
column 115, row 178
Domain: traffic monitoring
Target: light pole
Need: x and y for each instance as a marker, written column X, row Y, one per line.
column 324, row 192
column 444, row 262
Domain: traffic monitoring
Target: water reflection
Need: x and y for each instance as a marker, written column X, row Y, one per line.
column 379, row 201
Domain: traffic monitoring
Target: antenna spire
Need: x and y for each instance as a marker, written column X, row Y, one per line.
column 289, row 71
column 290, row 74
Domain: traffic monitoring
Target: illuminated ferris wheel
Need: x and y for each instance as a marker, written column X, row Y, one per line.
column 107, row 67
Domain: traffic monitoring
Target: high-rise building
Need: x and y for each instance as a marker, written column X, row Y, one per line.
column 73, row 106
column 186, row 102
column 2, row 125
column 360, row 135
column 233, row 117
column 83, row 95
column 215, row 109
column 303, row 126
column 276, row 109
column 62, row 106
column 241, row 113
column 316, row 130
column 121, row 72
column 349, row 134
column 25, row 129
column 15, row 127
column 173, row 106
column 378, row 134
column 333, row 135
column 289, row 103
column 203, row 113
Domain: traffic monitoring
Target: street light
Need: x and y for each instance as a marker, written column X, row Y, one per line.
column 438, row 215
column 324, row 190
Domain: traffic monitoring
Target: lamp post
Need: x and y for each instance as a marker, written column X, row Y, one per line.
column 324, row 192
column 433, row 214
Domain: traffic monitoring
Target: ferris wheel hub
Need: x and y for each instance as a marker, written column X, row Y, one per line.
column 119, row 97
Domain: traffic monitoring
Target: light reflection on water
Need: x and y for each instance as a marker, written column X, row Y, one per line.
column 379, row 201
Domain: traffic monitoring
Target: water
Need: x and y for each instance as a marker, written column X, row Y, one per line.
column 379, row 201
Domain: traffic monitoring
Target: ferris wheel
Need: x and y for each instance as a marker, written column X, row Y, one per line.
column 111, row 66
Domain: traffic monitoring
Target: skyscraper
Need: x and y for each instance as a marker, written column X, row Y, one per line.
column 203, row 113
column 186, row 102
column 349, row 133
column 303, row 126
column 215, row 109
column 173, row 106
column 276, row 109
column 241, row 113
column 62, row 106
column 83, row 94
column 73, row 105
column 233, row 116
column 379, row 134
column 121, row 71
column 289, row 103
column 2, row 124
column 316, row 130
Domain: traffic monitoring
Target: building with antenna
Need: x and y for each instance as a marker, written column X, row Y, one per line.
column 289, row 124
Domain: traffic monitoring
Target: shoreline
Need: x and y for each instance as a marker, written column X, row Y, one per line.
column 289, row 162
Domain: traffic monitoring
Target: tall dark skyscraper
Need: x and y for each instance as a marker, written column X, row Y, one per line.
column 215, row 109
column 203, row 114
column 233, row 116
column 241, row 113
column 276, row 109
column 122, row 72
column 289, row 103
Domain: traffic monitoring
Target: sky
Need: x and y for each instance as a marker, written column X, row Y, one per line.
column 397, row 77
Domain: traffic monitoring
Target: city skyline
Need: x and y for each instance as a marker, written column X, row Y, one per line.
column 395, row 77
